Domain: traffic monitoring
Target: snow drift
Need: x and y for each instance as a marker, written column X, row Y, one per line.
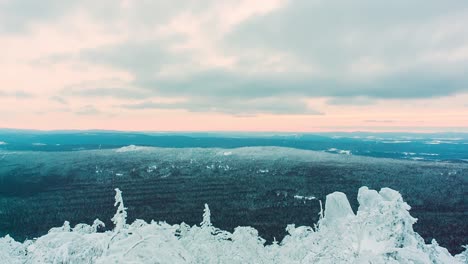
column 380, row 232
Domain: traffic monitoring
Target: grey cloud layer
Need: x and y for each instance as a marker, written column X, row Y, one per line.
column 224, row 84
column 16, row 94
column 359, row 49
column 88, row 110
column 233, row 107
column 18, row 15
column 333, row 36
column 398, row 36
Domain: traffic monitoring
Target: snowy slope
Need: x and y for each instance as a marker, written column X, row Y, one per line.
column 380, row 232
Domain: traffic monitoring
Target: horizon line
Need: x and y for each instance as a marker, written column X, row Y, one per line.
column 237, row 131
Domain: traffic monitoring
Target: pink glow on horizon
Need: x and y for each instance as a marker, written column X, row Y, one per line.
column 433, row 115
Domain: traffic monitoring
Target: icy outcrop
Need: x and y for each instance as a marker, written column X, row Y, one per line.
column 337, row 207
column 380, row 232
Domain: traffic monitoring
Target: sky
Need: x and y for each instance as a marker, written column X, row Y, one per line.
column 234, row 65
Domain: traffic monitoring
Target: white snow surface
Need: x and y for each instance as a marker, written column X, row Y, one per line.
column 302, row 197
column 380, row 232
column 130, row 148
column 396, row 141
column 340, row 151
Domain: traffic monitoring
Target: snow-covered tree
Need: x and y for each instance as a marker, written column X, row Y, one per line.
column 381, row 231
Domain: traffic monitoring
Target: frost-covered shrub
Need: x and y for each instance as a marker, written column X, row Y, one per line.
column 380, row 232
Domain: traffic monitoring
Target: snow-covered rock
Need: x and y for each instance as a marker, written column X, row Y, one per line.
column 337, row 207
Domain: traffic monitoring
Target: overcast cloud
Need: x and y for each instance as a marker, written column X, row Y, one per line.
column 235, row 57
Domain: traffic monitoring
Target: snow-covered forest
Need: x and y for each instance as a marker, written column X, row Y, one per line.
column 380, row 232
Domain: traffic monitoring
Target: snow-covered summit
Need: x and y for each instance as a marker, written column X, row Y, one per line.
column 130, row 148
column 380, row 232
